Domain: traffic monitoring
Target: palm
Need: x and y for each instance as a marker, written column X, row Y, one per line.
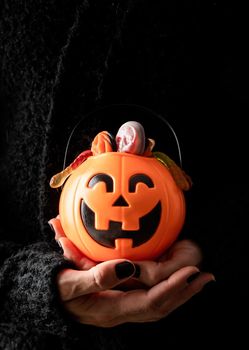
column 94, row 295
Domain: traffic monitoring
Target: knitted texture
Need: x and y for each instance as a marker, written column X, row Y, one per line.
column 46, row 82
column 38, row 46
column 28, row 292
column 29, row 59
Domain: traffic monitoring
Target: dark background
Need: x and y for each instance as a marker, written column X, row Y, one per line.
column 188, row 62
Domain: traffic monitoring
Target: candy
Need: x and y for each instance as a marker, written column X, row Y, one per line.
column 182, row 180
column 150, row 143
column 59, row 179
column 130, row 138
column 103, row 142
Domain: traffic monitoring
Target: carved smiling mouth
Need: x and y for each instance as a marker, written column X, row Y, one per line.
column 148, row 225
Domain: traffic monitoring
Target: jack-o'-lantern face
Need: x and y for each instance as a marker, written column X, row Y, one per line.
column 119, row 205
column 114, row 217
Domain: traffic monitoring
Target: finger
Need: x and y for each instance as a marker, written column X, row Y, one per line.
column 55, row 224
column 153, row 272
column 103, row 276
column 197, row 285
column 146, row 306
column 189, row 291
column 183, row 253
column 110, row 308
column 176, row 282
column 186, row 252
column 71, row 252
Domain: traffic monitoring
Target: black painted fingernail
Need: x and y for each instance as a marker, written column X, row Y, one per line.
column 137, row 271
column 193, row 277
column 124, row 269
column 210, row 284
column 51, row 226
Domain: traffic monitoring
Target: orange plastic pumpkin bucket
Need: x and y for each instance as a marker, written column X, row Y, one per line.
column 121, row 205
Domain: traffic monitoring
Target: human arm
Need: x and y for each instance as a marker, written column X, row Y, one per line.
column 29, row 304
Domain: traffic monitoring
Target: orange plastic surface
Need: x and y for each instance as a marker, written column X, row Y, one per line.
column 130, row 203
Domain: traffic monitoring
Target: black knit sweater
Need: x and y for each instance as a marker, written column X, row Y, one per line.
column 59, row 61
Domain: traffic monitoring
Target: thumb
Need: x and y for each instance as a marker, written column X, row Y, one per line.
column 106, row 275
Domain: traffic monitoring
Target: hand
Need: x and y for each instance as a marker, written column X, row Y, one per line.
column 181, row 254
column 89, row 295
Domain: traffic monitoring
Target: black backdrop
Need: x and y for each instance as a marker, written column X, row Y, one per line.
column 188, row 62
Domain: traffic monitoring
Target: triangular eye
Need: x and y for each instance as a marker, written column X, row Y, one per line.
column 120, row 202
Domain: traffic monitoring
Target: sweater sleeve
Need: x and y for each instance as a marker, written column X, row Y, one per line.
column 29, row 303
